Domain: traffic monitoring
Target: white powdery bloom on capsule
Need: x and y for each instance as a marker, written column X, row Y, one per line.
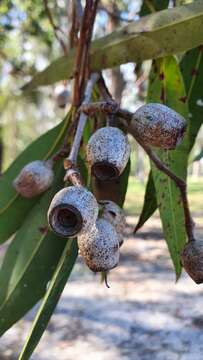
column 72, row 211
column 35, row 178
column 115, row 215
column 100, row 247
column 158, row 125
column 108, row 151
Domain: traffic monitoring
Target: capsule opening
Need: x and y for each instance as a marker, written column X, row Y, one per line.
column 105, row 171
column 65, row 220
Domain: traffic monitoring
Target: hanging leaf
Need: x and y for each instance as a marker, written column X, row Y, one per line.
column 147, row 38
column 29, row 261
column 13, row 207
column 51, row 298
column 192, row 72
column 166, row 86
column 150, row 203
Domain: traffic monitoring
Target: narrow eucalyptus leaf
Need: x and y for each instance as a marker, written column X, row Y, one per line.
column 166, row 86
column 51, row 298
column 162, row 33
column 29, row 261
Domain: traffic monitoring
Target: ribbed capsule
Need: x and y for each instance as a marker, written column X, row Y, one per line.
column 100, row 247
column 115, row 215
column 35, row 178
column 73, row 211
column 192, row 260
column 108, row 151
column 158, row 125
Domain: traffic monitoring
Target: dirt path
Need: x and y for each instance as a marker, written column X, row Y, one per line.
column 143, row 316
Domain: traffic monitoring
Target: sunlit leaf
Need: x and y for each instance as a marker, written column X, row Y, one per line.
column 192, row 72
column 166, row 85
column 163, row 33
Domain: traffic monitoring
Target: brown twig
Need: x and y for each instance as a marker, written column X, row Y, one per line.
column 76, row 14
column 104, row 89
column 55, row 27
column 72, row 173
column 70, row 162
column 180, row 183
column 85, row 63
column 81, row 62
column 82, row 119
column 111, row 107
column 108, row 107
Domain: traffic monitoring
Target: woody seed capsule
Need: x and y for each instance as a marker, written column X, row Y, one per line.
column 192, row 260
column 158, row 125
column 115, row 215
column 100, row 247
column 35, row 178
column 73, row 211
column 108, row 151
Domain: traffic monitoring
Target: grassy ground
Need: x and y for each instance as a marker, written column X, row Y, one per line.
column 136, row 190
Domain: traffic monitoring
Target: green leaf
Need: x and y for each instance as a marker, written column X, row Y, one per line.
column 166, row 84
column 29, row 261
column 124, row 184
column 51, row 298
column 192, row 72
column 150, row 203
column 13, row 207
column 163, row 33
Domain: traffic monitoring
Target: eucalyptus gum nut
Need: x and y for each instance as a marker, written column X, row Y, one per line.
column 108, row 151
column 158, row 125
column 72, row 211
column 62, row 98
column 100, row 247
column 115, row 215
column 35, row 178
column 192, row 260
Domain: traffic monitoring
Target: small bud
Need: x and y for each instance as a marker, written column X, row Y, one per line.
column 192, row 260
column 100, row 247
column 62, row 99
column 158, row 125
column 35, row 178
column 73, row 210
column 115, row 215
column 108, row 151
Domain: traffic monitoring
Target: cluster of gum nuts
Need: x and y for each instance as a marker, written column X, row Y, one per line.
column 74, row 210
